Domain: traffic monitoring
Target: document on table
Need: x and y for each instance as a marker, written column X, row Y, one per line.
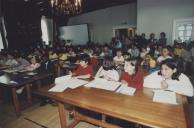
column 164, row 96
column 126, row 90
column 62, row 83
column 62, row 79
column 31, row 73
column 103, row 84
column 75, row 83
column 13, row 82
column 58, row 88
column 9, row 70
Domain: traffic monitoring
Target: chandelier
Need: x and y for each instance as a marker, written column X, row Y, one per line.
column 69, row 7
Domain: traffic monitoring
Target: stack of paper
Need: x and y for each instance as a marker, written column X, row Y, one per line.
column 103, row 84
column 126, row 90
column 164, row 96
column 64, row 82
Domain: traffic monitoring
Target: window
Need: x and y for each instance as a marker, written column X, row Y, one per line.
column 183, row 30
column 44, row 30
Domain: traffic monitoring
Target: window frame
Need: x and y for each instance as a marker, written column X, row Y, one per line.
column 182, row 21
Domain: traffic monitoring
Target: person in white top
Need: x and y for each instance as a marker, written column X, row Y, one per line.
column 165, row 55
column 144, row 52
column 107, row 70
column 34, row 64
column 10, row 60
column 119, row 59
column 169, row 78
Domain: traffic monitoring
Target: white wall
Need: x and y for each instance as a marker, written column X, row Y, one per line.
column 101, row 22
column 158, row 15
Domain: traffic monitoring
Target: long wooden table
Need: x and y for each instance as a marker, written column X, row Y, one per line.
column 138, row 108
column 23, row 80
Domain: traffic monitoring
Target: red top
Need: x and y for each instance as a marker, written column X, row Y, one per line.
column 84, row 71
column 135, row 81
column 94, row 61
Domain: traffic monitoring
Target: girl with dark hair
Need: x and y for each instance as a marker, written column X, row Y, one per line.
column 131, row 76
column 107, row 70
column 169, row 78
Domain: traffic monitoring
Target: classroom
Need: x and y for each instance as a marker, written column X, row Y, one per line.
column 96, row 64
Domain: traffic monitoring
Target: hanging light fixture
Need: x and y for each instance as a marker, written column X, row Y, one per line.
column 69, row 7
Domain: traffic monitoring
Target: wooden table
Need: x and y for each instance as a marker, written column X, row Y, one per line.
column 138, row 109
column 22, row 79
column 4, row 67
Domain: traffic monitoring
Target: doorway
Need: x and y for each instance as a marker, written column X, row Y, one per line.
column 125, row 31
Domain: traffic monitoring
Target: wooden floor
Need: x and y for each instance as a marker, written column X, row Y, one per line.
column 41, row 117
column 34, row 117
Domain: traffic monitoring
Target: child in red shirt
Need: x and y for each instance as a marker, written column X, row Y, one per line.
column 84, row 70
column 131, row 76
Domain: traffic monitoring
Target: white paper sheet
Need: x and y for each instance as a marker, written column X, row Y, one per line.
column 62, row 79
column 13, row 82
column 31, row 73
column 9, row 70
column 64, row 82
column 164, row 96
column 58, row 88
column 74, row 83
column 126, row 90
column 103, row 84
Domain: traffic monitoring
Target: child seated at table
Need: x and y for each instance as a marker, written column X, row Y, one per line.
column 21, row 62
column 165, row 55
column 85, row 70
column 131, row 76
column 107, row 70
column 169, row 78
column 148, row 63
column 10, row 60
column 52, row 54
column 34, row 64
column 118, row 59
